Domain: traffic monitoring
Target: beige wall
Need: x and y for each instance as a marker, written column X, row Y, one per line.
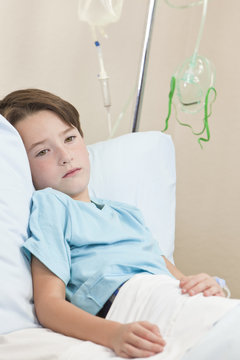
column 44, row 45
column 208, row 194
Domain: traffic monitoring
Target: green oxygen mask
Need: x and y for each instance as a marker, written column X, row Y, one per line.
column 192, row 88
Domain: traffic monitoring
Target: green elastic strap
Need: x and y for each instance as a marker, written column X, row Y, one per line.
column 206, row 115
column 187, row 125
column 171, row 93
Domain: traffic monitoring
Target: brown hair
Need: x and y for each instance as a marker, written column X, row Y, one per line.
column 22, row 103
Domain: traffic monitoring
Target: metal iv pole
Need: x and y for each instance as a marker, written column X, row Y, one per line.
column 144, row 64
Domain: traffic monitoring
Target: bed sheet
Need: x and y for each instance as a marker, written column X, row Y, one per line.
column 144, row 297
column 221, row 342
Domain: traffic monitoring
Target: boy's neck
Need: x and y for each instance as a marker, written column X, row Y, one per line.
column 84, row 196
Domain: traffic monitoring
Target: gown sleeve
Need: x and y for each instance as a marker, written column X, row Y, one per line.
column 50, row 233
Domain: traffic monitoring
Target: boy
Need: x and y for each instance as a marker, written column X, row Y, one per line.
column 85, row 252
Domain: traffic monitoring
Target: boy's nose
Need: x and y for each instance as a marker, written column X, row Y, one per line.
column 65, row 158
column 66, row 162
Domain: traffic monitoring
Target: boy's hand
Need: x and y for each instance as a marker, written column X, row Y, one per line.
column 137, row 339
column 201, row 283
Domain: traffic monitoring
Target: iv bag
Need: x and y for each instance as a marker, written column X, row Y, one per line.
column 99, row 13
column 193, row 79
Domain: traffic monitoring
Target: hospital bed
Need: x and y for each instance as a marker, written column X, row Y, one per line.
column 137, row 168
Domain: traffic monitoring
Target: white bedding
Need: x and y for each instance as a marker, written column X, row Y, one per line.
column 182, row 320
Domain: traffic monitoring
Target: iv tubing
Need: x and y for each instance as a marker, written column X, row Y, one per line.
column 123, row 112
column 100, row 58
column 195, row 54
column 103, row 78
column 109, row 120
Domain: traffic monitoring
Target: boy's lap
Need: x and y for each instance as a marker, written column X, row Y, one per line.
column 157, row 299
column 182, row 319
column 152, row 295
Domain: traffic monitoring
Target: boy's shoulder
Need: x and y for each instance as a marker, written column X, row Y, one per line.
column 49, row 194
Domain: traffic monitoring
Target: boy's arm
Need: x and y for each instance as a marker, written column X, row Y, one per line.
column 194, row 284
column 139, row 339
column 173, row 270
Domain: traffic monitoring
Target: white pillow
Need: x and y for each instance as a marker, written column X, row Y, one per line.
column 16, row 308
column 136, row 168
column 139, row 168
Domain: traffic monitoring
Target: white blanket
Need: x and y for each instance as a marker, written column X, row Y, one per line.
column 182, row 320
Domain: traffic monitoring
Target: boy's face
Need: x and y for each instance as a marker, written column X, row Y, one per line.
column 57, row 154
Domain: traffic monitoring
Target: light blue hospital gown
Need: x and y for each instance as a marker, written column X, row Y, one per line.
column 93, row 249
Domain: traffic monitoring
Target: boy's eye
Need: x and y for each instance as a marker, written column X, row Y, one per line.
column 42, row 152
column 70, row 138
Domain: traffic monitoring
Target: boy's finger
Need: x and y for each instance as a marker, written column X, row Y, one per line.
column 152, row 327
column 199, row 288
column 134, row 352
column 143, row 344
column 124, row 355
column 149, row 335
column 213, row 291
column 189, row 285
column 202, row 286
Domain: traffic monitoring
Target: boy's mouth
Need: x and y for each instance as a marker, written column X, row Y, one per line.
column 71, row 172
